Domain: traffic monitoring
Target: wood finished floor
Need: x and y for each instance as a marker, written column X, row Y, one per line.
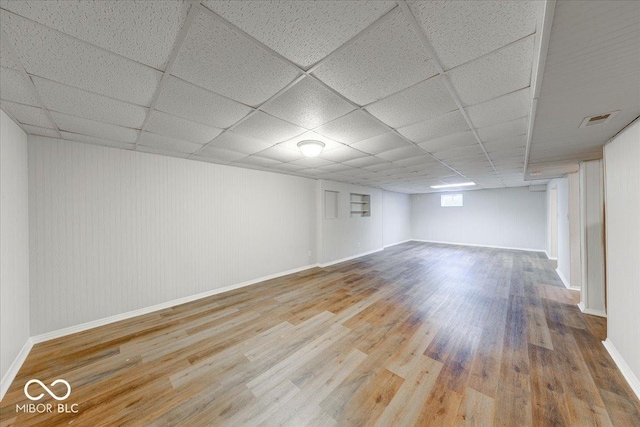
column 419, row 334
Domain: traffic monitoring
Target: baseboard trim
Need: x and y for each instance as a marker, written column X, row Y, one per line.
column 479, row 246
column 338, row 261
column 592, row 312
column 146, row 310
column 398, row 243
column 8, row 378
column 626, row 371
column 564, row 279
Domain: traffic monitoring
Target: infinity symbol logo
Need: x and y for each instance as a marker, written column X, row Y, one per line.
column 52, row 394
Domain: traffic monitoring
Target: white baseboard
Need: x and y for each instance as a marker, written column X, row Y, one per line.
column 10, row 375
column 592, row 312
column 398, row 243
column 338, row 261
column 479, row 246
column 146, row 310
column 627, row 373
column 564, row 279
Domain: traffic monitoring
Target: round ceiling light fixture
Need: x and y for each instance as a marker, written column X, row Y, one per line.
column 311, row 148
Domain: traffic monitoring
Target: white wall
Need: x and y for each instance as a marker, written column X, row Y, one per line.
column 509, row 217
column 114, row 231
column 622, row 160
column 575, row 275
column 14, row 244
column 563, row 229
column 396, row 217
column 345, row 236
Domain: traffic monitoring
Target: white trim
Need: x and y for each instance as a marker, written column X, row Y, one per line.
column 590, row 311
column 11, row 373
column 146, row 310
column 398, row 243
column 627, row 373
column 338, row 261
column 479, row 246
column 552, row 258
column 564, row 279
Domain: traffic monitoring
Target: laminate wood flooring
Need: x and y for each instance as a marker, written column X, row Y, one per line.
column 418, row 334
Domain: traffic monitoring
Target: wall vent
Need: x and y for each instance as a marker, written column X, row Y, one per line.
column 599, row 119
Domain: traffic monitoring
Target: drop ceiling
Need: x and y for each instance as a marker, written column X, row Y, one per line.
column 404, row 95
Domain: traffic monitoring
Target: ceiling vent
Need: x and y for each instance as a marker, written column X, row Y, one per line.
column 600, row 119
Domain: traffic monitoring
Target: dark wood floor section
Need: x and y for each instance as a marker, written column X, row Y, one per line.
column 419, row 334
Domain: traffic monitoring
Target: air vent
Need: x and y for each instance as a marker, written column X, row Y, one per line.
column 600, row 119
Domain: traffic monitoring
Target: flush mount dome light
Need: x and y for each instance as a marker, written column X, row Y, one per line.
column 311, row 148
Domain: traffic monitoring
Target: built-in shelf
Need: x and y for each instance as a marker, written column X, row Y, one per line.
column 360, row 205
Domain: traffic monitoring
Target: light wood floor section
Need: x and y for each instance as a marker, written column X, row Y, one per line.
column 419, row 334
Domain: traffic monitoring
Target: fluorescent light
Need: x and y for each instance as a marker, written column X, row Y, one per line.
column 462, row 184
column 310, row 148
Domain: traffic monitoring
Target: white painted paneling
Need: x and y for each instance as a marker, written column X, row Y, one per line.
column 574, row 229
column 14, row 244
column 563, row 229
column 115, row 230
column 344, row 236
column 396, row 217
column 622, row 156
column 509, row 217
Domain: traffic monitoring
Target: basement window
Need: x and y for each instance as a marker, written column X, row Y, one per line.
column 450, row 200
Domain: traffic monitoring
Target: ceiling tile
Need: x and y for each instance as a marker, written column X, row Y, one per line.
column 498, row 73
column 167, row 143
column 216, row 58
column 378, row 144
column 15, row 87
column 460, row 139
column 6, row 57
column 444, row 125
column 80, row 103
column 337, row 167
column 381, row 167
column 312, row 162
column 268, row 128
column 183, row 99
column 311, row 172
column 177, row 128
column 341, row 154
column 364, row 162
column 161, row 152
column 142, row 31
column 281, row 154
column 259, row 161
column 308, row 104
column 458, row 152
column 234, row 142
column 289, row 167
column 356, row 171
column 460, row 31
column 329, row 144
column 353, row 127
column 304, row 32
column 415, row 161
column 27, row 114
column 503, row 130
column 401, row 153
column 424, row 101
column 36, row 130
column 92, row 128
column 47, row 53
column 219, row 154
column 385, row 60
column 97, row 141
column 505, row 143
column 502, row 109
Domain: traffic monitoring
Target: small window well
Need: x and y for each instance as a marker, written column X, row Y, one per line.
column 450, row 200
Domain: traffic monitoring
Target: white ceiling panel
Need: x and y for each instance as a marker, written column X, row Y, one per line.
column 460, row 31
column 342, row 154
column 97, row 141
column 6, row 57
column 161, row 152
column 329, row 144
column 308, row 104
column 177, row 128
column 401, row 153
column 289, row 167
column 458, row 152
column 505, row 143
column 217, row 58
column 92, row 128
column 420, row 160
column 268, row 128
column 444, row 125
column 27, row 114
column 498, row 73
column 50, row 54
column 378, row 144
column 312, row 162
column 381, row 167
column 387, row 59
column 163, row 142
column 503, row 130
column 221, row 155
column 364, row 162
column 303, row 31
column 336, row 167
column 355, row 126
column 191, row 102
column 423, row 101
column 140, row 30
column 15, row 87
column 311, row 172
column 281, row 154
column 460, row 139
column 37, row 130
column 502, row 109
column 259, row 161
column 78, row 102
column 242, row 144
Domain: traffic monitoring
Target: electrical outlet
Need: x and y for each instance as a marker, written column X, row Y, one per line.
column 309, row 253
